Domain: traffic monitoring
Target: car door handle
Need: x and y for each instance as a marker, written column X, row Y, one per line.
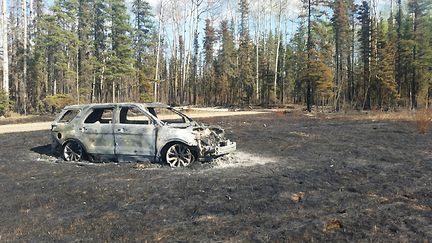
column 121, row 130
column 83, row 129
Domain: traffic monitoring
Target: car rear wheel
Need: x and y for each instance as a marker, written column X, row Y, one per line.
column 73, row 151
column 179, row 155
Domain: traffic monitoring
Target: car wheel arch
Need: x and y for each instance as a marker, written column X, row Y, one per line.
column 77, row 141
column 194, row 148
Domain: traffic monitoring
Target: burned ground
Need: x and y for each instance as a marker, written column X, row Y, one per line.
column 294, row 178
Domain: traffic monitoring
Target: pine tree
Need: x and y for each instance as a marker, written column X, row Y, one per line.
column 85, row 64
column 321, row 66
column 365, row 52
column 210, row 83
column 38, row 67
column 226, row 68
column 341, row 30
column 143, row 45
column 100, row 19
column 120, row 56
column 61, row 43
column 398, row 74
column 245, row 54
column 421, row 50
column 300, row 62
column 386, row 88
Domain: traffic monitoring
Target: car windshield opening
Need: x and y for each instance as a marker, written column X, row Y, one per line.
column 167, row 115
column 69, row 116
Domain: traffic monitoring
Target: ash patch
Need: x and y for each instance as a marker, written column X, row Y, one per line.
column 233, row 160
column 242, row 159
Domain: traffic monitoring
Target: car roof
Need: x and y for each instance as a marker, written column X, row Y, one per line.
column 147, row 105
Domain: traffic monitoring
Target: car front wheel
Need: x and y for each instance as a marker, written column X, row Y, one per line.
column 73, row 151
column 179, row 155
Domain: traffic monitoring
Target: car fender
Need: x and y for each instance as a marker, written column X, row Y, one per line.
column 76, row 140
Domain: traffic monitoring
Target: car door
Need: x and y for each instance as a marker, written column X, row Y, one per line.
column 96, row 132
column 134, row 133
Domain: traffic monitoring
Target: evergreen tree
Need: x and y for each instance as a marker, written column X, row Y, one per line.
column 85, row 55
column 143, row 46
column 386, row 84
column 100, row 19
column 61, row 42
column 37, row 66
column 245, row 54
column 210, row 83
column 421, row 50
column 120, row 55
column 365, row 52
column 226, row 64
column 341, row 29
column 300, row 62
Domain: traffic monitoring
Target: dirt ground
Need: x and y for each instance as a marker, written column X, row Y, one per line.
column 293, row 178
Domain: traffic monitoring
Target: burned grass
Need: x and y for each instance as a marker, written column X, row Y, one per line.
column 294, row 178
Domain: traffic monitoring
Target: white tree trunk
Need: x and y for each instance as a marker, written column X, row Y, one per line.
column 158, row 55
column 5, row 49
column 25, row 40
column 277, row 50
column 257, row 52
column 77, row 76
column 113, row 92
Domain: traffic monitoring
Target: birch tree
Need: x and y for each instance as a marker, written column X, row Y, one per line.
column 5, row 48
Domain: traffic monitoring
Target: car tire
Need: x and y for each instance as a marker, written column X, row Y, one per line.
column 178, row 155
column 73, row 151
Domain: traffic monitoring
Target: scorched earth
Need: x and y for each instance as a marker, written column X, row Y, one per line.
column 293, row 178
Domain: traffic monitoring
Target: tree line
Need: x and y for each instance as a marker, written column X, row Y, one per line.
column 328, row 54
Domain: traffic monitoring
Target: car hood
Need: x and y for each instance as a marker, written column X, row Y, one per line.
column 208, row 134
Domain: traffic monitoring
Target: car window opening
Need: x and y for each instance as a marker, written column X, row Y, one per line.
column 132, row 115
column 100, row 115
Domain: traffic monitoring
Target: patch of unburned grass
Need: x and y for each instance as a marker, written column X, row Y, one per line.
column 375, row 116
column 333, row 225
column 297, row 197
column 423, row 119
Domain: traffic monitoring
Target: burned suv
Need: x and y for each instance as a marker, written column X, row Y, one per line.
column 135, row 132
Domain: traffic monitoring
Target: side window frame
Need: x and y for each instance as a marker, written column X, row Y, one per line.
column 151, row 121
column 93, row 109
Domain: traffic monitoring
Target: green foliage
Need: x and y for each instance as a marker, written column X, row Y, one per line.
column 225, row 66
column 59, row 101
column 386, row 90
column 320, row 74
column 143, row 31
column 146, row 97
column 5, row 103
column 120, row 55
column 340, row 54
column 244, row 55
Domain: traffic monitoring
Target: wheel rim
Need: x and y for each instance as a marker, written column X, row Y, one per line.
column 179, row 155
column 73, row 151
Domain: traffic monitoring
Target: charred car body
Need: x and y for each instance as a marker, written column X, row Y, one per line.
column 135, row 132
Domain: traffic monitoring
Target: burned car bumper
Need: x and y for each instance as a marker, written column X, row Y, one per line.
column 212, row 141
column 221, row 149
column 225, row 148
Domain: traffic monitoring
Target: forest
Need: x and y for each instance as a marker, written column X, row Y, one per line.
column 323, row 54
